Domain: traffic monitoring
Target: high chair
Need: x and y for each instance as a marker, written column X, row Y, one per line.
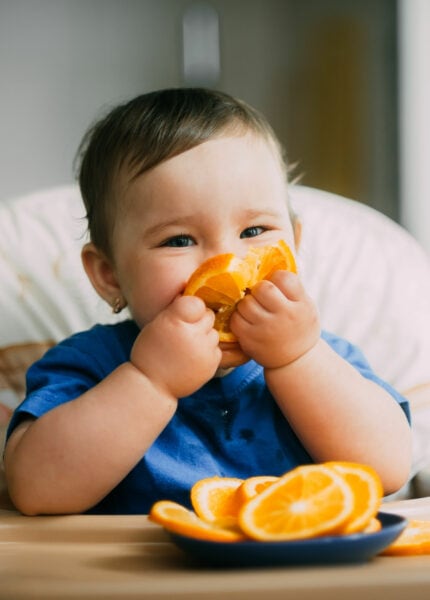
column 369, row 277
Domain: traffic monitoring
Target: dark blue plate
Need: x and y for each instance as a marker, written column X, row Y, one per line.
column 354, row 548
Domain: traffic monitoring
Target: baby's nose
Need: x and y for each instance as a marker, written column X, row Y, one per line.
column 229, row 246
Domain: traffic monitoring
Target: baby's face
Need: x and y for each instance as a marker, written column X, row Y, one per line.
column 225, row 195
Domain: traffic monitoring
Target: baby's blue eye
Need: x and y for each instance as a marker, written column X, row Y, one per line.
column 252, row 232
column 179, row 241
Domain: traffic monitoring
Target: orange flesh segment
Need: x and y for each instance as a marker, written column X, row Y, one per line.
column 308, row 501
column 178, row 519
column 215, row 499
column 223, row 280
column 415, row 539
column 254, row 485
column 367, row 488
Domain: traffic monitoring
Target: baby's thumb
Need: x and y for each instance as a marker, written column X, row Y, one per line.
column 189, row 308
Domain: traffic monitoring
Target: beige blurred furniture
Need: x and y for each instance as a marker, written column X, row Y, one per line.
column 128, row 557
column 369, row 277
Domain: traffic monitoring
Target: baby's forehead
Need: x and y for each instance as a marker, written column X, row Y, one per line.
column 226, row 149
column 242, row 168
column 133, row 165
column 227, row 154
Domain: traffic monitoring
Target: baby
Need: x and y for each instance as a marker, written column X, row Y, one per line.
column 122, row 415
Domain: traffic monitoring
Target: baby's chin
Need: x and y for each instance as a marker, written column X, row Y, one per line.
column 232, row 355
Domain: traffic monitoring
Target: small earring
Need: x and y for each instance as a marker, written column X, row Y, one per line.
column 117, row 305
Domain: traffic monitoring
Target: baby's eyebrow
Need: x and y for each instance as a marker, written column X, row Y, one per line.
column 181, row 221
column 252, row 213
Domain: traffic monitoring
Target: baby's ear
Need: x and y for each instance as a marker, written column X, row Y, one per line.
column 101, row 273
column 297, row 226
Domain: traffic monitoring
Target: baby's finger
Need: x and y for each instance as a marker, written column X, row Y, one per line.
column 249, row 308
column 213, row 338
column 208, row 320
column 190, row 309
column 264, row 296
column 289, row 284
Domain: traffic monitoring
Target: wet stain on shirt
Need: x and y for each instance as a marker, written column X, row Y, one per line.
column 247, row 434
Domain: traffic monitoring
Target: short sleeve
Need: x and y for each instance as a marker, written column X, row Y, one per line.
column 356, row 358
column 73, row 367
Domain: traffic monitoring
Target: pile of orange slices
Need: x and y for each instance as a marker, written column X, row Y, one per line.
column 335, row 498
column 222, row 280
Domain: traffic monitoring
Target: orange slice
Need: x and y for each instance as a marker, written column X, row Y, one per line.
column 253, row 486
column 373, row 526
column 265, row 260
column 220, row 282
column 367, row 488
column 414, row 539
column 309, row 501
column 223, row 280
column 214, row 499
column 220, row 279
column 176, row 518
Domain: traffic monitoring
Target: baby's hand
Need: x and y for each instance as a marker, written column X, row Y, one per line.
column 277, row 322
column 178, row 350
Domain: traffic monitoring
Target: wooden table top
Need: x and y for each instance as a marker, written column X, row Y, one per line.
column 125, row 557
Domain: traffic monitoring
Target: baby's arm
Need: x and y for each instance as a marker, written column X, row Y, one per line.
column 71, row 457
column 336, row 412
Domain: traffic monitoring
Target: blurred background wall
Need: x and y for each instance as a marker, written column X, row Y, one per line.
column 325, row 72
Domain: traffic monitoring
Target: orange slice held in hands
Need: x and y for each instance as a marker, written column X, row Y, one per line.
column 223, row 280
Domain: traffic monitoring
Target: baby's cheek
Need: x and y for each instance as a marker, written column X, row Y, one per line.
column 150, row 300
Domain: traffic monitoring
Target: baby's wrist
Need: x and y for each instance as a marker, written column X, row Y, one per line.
column 157, row 386
column 296, row 361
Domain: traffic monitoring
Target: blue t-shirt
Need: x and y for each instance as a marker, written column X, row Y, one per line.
column 230, row 427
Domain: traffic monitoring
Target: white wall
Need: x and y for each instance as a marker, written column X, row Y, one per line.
column 414, row 29
column 63, row 61
column 60, row 62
